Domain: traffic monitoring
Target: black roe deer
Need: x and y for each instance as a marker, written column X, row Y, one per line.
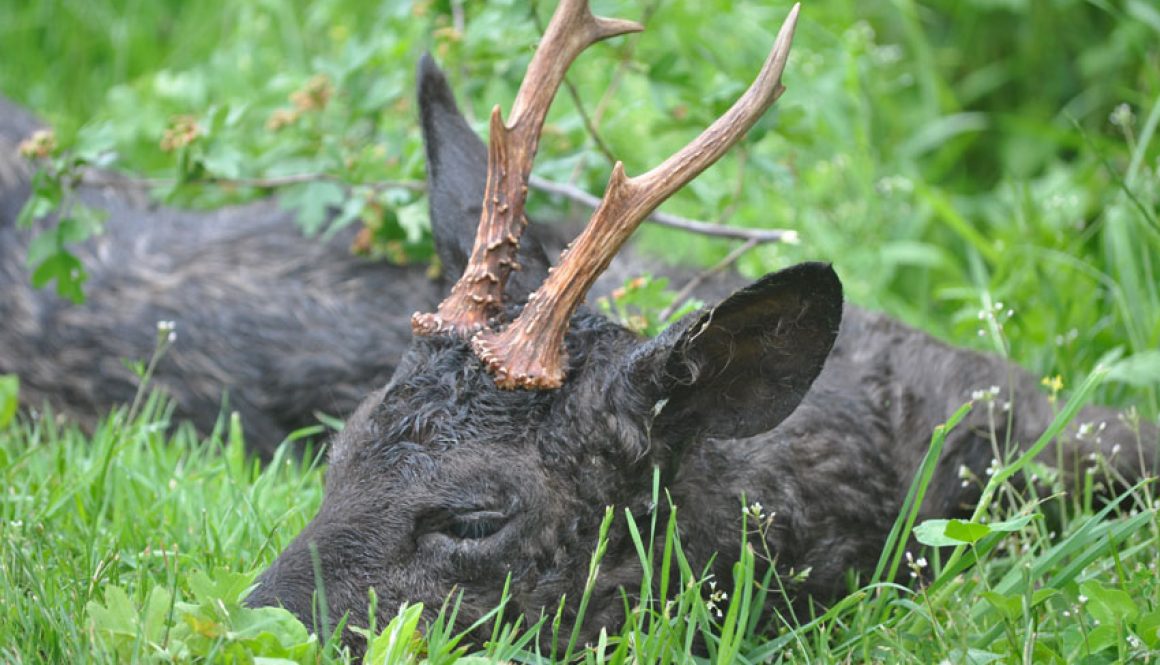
column 284, row 326
column 506, row 430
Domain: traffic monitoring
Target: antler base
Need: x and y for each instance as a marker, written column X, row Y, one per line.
column 529, row 354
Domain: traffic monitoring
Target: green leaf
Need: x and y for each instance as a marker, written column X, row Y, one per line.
column 223, row 160
column 974, row 656
column 1011, row 607
column 82, row 223
column 272, row 632
column 42, row 246
column 947, row 533
column 934, row 533
column 966, row 532
column 1139, row 369
column 154, row 619
column 1042, row 654
column 276, row 620
column 1109, row 605
column 1148, row 629
column 117, row 615
column 1041, row 595
column 413, row 219
column 36, row 207
column 68, row 272
column 9, row 398
column 223, row 585
column 121, row 628
column 1101, row 637
column 1013, row 524
column 312, row 202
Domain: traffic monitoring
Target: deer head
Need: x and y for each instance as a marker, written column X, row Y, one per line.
column 446, row 480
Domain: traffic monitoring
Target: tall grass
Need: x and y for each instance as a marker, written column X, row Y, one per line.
column 138, row 543
column 987, row 171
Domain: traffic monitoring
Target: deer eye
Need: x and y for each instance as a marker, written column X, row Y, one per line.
column 475, row 526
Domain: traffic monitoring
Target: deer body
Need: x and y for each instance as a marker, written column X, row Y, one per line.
column 441, row 449
column 837, row 470
column 280, row 325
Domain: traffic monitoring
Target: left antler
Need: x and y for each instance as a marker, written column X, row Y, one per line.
column 477, row 297
column 530, row 352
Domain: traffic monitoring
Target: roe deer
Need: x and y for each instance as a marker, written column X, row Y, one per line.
column 506, row 430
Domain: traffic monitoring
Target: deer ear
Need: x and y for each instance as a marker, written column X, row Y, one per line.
column 740, row 368
column 456, row 175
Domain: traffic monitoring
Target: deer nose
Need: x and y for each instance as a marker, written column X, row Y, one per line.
column 287, row 585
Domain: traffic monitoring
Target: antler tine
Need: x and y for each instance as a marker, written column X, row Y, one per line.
column 530, row 353
column 477, row 297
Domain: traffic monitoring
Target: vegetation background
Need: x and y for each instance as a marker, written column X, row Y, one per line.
column 986, row 170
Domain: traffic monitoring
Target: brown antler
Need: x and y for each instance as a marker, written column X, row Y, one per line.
column 477, row 296
column 530, row 352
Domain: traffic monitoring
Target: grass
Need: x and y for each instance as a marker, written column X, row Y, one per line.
column 138, row 542
column 986, row 171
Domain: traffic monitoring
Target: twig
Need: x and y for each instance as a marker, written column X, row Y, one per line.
column 735, row 200
column 99, row 179
column 613, row 85
column 578, row 195
column 700, row 277
column 571, row 192
column 457, row 17
column 588, row 122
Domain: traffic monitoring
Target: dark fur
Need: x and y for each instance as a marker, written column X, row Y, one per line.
column 282, row 325
column 760, row 397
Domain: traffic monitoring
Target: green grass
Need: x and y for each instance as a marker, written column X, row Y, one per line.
column 136, row 544
column 954, row 160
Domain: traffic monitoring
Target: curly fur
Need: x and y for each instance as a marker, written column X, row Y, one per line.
column 760, row 398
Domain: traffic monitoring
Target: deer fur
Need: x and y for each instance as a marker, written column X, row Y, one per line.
column 780, row 394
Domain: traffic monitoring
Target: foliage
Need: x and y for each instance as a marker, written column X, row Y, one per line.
column 987, row 170
column 645, row 304
column 136, row 545
column 215, row 627
column 945, row 156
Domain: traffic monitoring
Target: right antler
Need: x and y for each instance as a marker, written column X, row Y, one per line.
column 477, row 297
column 530, row 352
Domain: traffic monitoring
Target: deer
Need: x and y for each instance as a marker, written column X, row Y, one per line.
column 518, row 414
column 263, row 314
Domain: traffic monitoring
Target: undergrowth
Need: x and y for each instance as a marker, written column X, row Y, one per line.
column 987, row 171
column 138, row 544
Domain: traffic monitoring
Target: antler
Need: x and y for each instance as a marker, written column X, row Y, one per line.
column 477, row 296
column 530, row 352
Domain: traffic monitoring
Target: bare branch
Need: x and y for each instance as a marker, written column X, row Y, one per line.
column 698, row 227
column 593, row 123
column 699, row 279
column 97, row 178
